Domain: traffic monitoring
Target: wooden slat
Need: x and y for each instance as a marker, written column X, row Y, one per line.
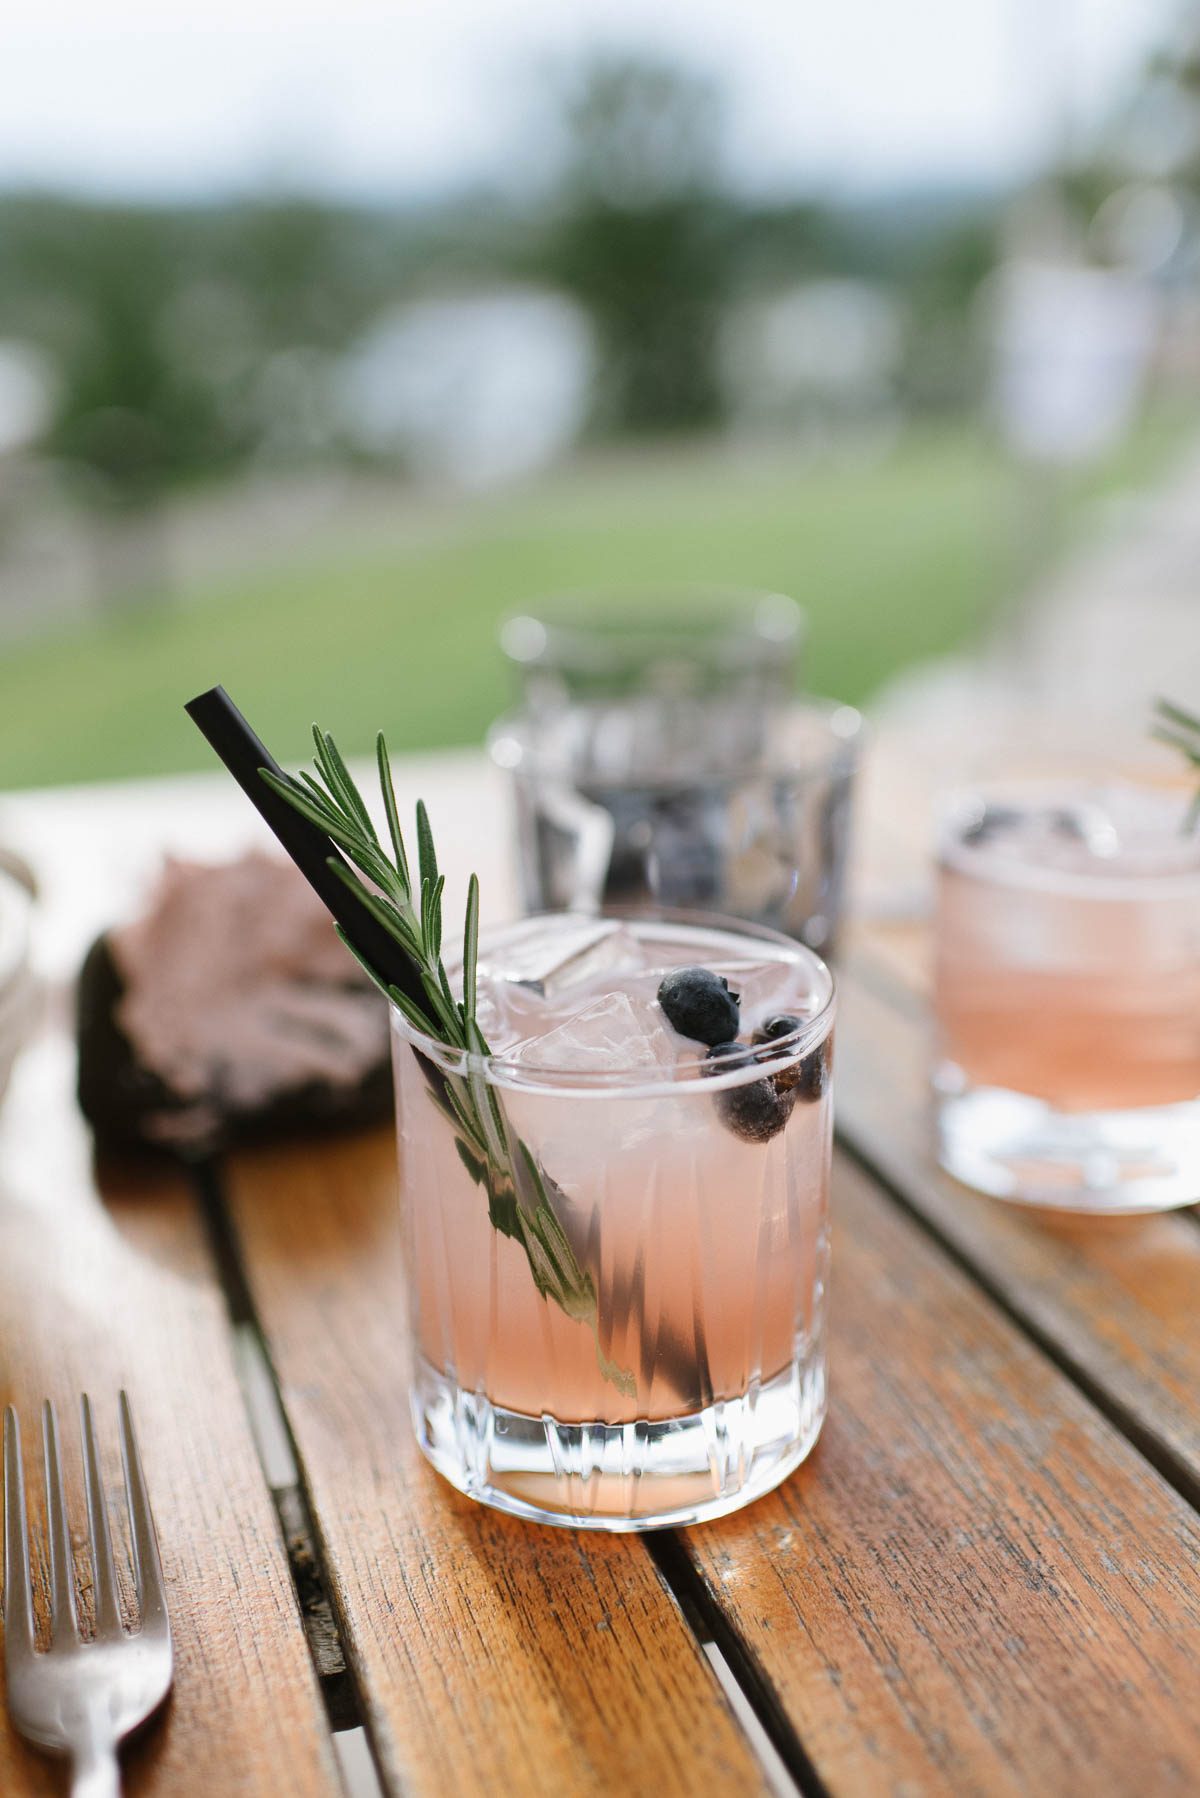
column 93, row 1297
column 899, row 952
column 975, row 1586
column 495, row 1656
column 1116, row 1299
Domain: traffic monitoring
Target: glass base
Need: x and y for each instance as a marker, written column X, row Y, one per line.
column 633, row 1476
column 1015, row 1147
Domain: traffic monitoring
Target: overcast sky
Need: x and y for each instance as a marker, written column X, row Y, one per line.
column 358, row 97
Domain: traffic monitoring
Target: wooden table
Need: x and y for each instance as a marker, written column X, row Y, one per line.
column 985, row 1580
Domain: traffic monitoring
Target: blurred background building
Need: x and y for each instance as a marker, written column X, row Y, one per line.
column 325, row 343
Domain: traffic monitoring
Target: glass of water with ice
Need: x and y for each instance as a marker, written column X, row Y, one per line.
column 1067, row 997
column 616, row 1220
column 718, row 807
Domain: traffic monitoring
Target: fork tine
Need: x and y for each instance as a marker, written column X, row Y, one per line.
column 18, row 1598
column 104, row 1574
column 62, row 1565
column 147, row 1565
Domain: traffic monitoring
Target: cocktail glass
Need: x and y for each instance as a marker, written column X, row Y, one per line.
column 617, row 1305
column 1067, row 998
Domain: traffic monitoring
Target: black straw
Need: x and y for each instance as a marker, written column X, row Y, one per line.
column 312, row 851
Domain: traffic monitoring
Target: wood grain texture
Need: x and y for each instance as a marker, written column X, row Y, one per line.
column 974, row 1586
column 1116, row 1299
column 97, row 1296
column 495, row 1656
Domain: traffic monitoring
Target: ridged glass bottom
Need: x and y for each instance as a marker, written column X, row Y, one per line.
column 1111, row 1163
column 633, row 1476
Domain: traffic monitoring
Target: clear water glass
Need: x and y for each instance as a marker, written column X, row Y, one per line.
column 1067, row 997
column 710, row 806
column 618, row 1310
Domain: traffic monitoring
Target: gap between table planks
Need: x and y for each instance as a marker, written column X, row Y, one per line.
column 95, row 1296
column 1114, row 1300
column 975, row 1585
column 491, row 1655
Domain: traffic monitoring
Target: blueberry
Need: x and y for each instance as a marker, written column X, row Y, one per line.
column 700, row 1005
column 1066, row 823
column 785, row 1024
column 991, row 821
column 812, row 1076
column 756, row 1111
column 808, row 1078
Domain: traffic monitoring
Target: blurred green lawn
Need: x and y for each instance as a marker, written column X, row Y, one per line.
column 894, row 561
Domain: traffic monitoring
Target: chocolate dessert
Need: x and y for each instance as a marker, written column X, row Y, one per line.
column 228, row 1012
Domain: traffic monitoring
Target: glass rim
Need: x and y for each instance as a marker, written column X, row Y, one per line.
column 512, row 743
column 759, row 1058
column 599, row 630
column 956, row 806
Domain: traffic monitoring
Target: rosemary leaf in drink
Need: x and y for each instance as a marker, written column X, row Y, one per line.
column 520, row 1194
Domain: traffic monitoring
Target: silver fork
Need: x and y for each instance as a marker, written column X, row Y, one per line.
column 82, row 1698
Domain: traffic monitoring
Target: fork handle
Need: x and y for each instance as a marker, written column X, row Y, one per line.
column 95, row 1772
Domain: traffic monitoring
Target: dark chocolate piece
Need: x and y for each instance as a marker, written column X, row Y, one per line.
column 228, row 1013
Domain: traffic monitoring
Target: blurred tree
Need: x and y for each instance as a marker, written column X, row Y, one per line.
column 945, row 366
column 164, row 326
column 640, row 233
column 775, row 244
column 90, row 284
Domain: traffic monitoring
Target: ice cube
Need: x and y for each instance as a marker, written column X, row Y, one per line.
column 550, row 962
column 1090, row 824
column 767, row 987
column 1137, row 830
column 501, row 1027
column 614, row 1033
column 1111, row 829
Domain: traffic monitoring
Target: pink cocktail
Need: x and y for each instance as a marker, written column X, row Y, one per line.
column 630, row 1331
column 1067, row 998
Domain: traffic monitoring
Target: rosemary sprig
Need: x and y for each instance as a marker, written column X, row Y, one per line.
column 520, row 1193
column 1181, row 730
